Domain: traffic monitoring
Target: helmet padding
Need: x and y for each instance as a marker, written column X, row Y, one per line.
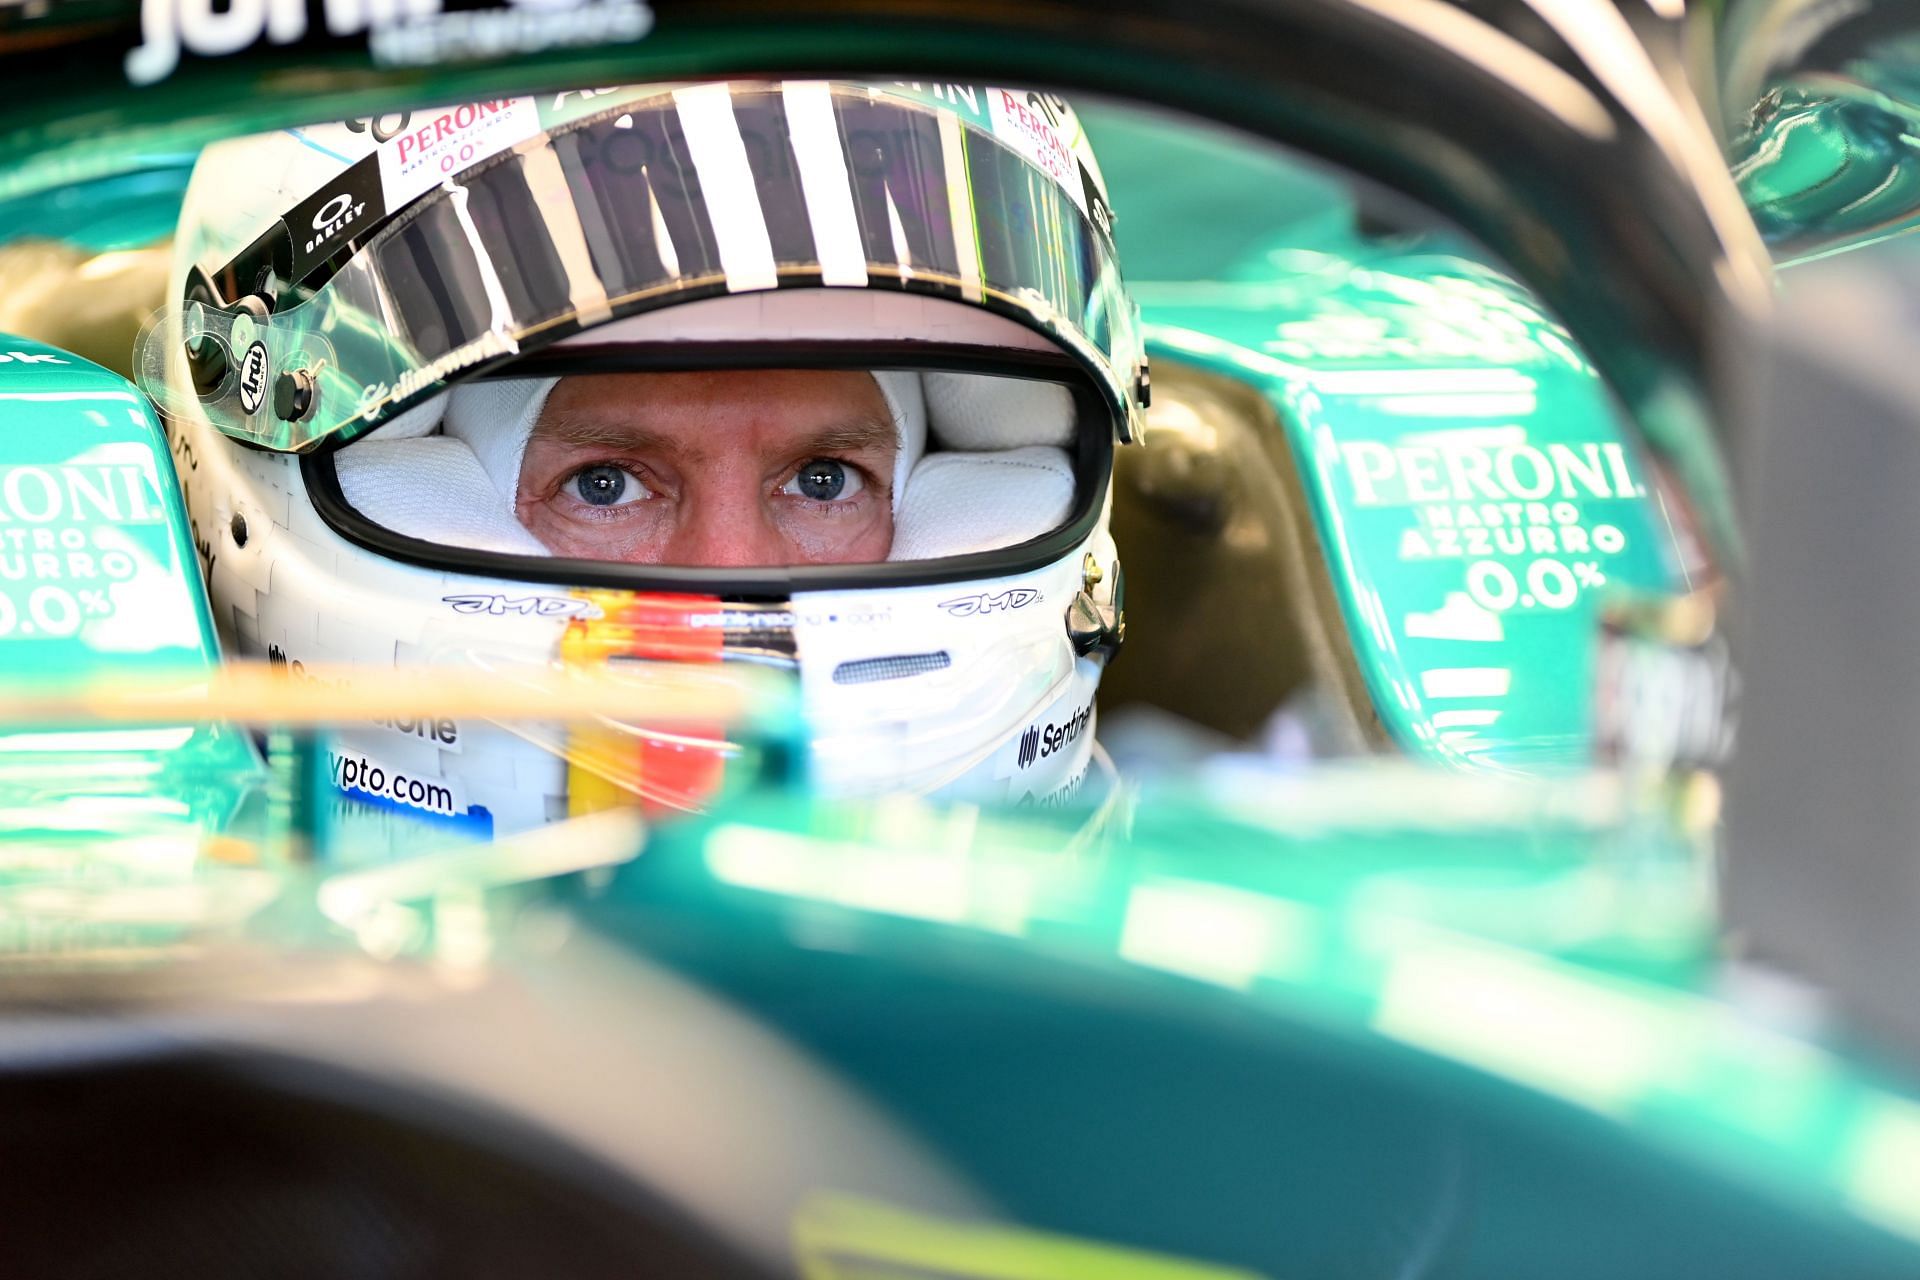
column 997, row 476
column 432, row 488
column 972, row 412
column 963, row 502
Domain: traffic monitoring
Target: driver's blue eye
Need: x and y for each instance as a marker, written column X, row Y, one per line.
column 601, row 486
column 822, row 480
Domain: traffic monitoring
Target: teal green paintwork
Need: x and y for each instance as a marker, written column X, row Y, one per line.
column 98, row 578
column 97, row 566
column 1829, row 160
column 1307, row 1025
column 1256, row 1030
column 1337, row 1023
column 1474, row 487
column 1476, row 494
column 127, row 210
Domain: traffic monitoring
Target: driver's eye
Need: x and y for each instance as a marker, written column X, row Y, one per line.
column 605, row 485
column 824, row 480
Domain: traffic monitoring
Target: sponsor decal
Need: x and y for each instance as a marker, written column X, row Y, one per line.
column 1663, row 703
column 990, row 602
column 963, row 98
column 331, row 218
column 742, row 619
column 1042, row 740
column 1384, row 475
column 364, row 778
column 1060, row 796
column 1517, row 514
column 294, row 667
column 498, row 606
column 556, row 112
column 525, row 26
column 1095, row 203
column 64, row 542
column 1040, row 127
column 75, row 493
column 376, row 396
column 377, row 127
column 438, row 144
column 864, row 616
column 253, row 377
column 31, row 357
column 438, row 730
column 1029, row 746
column 398, row 32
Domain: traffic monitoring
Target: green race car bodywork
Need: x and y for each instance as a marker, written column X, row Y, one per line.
column 1452, row 1008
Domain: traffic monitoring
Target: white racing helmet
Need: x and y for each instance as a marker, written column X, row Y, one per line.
column 373, row 314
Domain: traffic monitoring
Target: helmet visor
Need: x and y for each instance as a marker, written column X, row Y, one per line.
column 685, row 194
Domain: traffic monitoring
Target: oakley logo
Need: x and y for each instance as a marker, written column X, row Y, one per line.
column 332, row 211
column 968, row 606
column 334, row 217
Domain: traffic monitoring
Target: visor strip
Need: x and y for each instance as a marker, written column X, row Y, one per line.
column 732, row 195
column 823, row 177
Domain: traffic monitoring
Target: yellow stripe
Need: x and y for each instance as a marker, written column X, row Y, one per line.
column 840, row 1237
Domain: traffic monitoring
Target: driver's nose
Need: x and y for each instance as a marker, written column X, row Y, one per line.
column 724, row 526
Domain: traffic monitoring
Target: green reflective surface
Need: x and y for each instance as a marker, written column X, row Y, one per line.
column 1377, row 1021
column 1828, row 159
column 1476, row 492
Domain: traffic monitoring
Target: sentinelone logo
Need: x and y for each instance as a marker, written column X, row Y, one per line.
column 1029, row 745
column 1041, row 741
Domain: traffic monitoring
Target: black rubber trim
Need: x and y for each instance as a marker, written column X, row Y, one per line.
column 1093, row 459
column 579, row 356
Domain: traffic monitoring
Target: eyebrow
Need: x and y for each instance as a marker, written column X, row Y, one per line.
column 592, row 433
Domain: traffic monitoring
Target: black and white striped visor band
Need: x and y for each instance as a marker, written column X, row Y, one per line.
column 685, row 194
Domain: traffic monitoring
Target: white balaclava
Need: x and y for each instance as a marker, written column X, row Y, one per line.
column 496, row 418
column 1001, row 473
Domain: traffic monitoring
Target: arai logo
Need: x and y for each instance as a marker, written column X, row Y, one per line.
column 253, row 377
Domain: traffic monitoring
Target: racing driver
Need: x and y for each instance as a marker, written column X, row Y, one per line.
column 820, row 375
